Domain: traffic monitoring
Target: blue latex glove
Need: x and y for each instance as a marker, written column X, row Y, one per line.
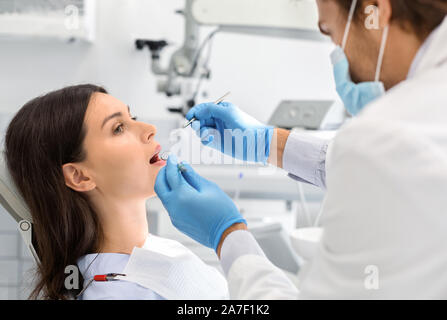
column 197, row 207
column 241, row 136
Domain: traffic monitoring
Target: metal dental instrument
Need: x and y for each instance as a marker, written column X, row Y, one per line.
column 216, row 102
column 180, row 166
column 164, row 156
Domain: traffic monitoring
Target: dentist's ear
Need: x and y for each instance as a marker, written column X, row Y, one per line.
column 76, row 179
column 385, row 12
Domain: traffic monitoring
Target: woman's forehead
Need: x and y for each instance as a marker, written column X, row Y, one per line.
column 100, row 106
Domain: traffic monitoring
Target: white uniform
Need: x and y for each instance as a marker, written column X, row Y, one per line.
column 384, row 217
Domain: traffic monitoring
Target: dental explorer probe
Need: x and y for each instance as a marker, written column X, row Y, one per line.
column 216, row 102
column 165, row 154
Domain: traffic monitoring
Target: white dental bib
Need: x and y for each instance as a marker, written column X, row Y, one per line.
column 174, row 272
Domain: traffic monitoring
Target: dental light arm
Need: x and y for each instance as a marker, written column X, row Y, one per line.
column 14, row 204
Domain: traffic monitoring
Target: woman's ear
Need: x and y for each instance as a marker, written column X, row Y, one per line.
column 76, row 179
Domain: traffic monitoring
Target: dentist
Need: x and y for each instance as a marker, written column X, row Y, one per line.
column 385, row 172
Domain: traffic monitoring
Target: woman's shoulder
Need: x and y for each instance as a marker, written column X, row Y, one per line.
column 103, row 263
column 118, row 290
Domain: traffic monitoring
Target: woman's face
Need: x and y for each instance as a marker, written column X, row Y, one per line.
column 122, row 153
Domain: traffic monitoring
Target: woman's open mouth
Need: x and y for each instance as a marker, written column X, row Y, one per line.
column 156, row 160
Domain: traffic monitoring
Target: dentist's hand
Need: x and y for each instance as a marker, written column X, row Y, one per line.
column 196, row 206
column 228, row 129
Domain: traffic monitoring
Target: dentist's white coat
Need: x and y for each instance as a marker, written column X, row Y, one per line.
column 385, row 212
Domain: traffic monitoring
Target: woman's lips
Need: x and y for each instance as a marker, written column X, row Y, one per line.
column 155, row 160
column 159, row 163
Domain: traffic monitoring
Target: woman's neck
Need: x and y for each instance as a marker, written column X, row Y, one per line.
column 124, row 226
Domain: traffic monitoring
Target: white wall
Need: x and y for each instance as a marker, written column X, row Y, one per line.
column 258, row 71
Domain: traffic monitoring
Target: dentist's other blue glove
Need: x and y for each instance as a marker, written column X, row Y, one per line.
column 228, row 129
column 197, row 207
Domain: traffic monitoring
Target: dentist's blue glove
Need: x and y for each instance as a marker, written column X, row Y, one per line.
column 228, row 129
column 196, row 206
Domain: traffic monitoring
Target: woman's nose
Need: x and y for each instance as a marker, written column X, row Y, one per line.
column 149, row 132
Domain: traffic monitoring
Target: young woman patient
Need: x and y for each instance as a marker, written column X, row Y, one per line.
column 85, row 168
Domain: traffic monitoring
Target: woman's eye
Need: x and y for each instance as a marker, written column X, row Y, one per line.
column 119, row 127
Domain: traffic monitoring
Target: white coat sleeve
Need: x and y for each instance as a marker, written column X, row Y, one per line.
column 250, row 275
column 304, row 158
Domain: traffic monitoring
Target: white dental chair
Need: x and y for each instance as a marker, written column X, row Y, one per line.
column 14, row 204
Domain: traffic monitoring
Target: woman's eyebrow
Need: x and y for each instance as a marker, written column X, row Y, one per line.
column 116, row 114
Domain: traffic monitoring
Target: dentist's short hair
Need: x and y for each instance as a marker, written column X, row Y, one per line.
column 418, row 16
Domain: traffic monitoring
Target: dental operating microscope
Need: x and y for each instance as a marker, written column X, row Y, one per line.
column 293, row 19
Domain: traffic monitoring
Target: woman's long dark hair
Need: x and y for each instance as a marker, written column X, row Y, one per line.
column 46, row 133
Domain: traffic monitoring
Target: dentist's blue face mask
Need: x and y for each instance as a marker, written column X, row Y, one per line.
column 356, row 96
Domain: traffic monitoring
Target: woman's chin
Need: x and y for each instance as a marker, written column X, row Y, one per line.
column 152, row 195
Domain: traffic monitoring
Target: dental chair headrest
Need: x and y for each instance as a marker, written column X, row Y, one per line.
column 10, row 197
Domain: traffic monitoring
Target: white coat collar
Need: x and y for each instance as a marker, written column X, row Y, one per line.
column 433, row 52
